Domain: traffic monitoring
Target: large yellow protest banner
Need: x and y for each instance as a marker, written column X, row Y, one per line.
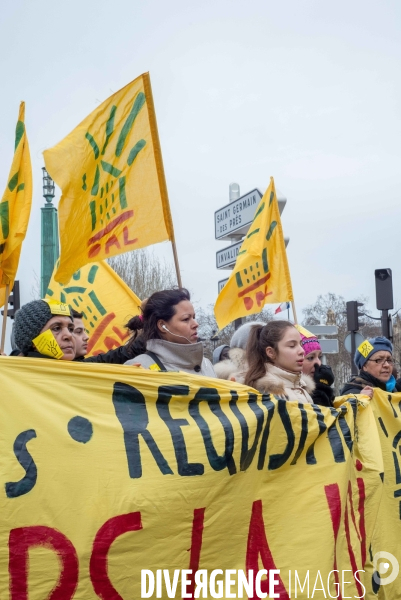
column 110, row 470
column 105, row 301
column 111, row 174
column 386, row 543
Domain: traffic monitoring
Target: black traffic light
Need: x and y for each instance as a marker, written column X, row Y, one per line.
column 352, row 315
column 384, row 289
column 13, row 301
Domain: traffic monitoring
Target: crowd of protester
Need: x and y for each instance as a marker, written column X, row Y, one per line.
column 276, row 357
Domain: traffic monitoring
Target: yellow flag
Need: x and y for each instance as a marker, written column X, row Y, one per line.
column 15, row 207
column 111, row 174
column 261, row 274
column 106, row 302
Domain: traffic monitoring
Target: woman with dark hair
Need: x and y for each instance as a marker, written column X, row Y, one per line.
column 170, row 332
column 275, row 359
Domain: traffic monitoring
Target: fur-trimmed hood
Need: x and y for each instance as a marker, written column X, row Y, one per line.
column 235, row 366
column 291, row 386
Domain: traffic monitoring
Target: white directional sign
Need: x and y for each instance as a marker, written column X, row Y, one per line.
column 225, row 259
column 329, row 346
column 221, row 284
column 233, row 220
column 323, row 329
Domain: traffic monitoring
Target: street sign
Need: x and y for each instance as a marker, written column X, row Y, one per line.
column 329, row 346
column 221, row 284
column 358, row 341
column 323, row 329
column 225, row 259
column 233, row 220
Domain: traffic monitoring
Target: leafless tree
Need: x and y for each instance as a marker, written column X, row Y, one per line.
column 341, row 362
column 143, row 272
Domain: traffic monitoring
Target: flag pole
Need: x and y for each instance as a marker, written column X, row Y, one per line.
column 294, row 312
column 160, row 171
column 3, row 329
column 177, row 266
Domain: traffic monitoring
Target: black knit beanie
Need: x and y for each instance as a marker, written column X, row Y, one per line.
column 29, row 322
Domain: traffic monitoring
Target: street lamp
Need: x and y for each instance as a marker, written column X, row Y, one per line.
column 48, row 186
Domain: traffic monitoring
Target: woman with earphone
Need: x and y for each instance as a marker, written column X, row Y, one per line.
column 170, row 332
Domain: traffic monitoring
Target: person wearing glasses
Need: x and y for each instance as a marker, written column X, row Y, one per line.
column 374, row 359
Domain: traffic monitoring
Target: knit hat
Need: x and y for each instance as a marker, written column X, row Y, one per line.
column 370, row 347
column 29, row 322
column 240, row 337
column 309, row 341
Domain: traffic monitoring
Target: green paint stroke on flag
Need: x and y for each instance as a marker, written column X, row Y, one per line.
column 92, row 207
column 109, row 127
column 252, row 233
column 135, row 151
column 19, row 132
column 123, row 197
column 92, row 273
column 12, row 184
column 238, row 280
column 111, row 170
column 5, row 219
column 97, row 303
column 259, row 210
column 129, row 123
column 92, row 142
column 264, row 260
column 271, row 229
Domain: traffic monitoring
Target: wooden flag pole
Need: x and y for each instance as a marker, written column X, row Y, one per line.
column 3, row 330
column 294, row 312
column 177, row 266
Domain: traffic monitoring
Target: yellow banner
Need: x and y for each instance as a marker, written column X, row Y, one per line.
column 15, row 207
column 386, row 543
column 111, row 174
column 105, row 301
column 110, row 471
column 261, row 274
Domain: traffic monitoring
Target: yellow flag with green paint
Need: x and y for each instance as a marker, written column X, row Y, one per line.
column 261, row 274
column 15, row 207
column 105, row 301
column 111, row 174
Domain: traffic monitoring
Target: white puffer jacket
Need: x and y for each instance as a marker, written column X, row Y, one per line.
column 235, row 366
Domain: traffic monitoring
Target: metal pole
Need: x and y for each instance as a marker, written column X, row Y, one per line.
column 3, row 330
column 294, row 312
column 234, row 194
column 385, row 324
column 354, row 370
column 177, row 266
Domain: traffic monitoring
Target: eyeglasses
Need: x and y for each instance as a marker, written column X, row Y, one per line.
column 381, row 361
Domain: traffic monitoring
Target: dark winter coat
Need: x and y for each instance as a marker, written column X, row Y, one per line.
column 358, row 382
column 117, row 356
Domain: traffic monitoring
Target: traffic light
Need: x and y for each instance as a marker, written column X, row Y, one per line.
column 13, row 301
column 384, row 289
column 352, row 315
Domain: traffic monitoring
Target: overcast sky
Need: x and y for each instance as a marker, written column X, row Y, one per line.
column 306, row 91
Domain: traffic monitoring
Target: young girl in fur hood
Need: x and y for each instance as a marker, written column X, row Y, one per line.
column 275, row 358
